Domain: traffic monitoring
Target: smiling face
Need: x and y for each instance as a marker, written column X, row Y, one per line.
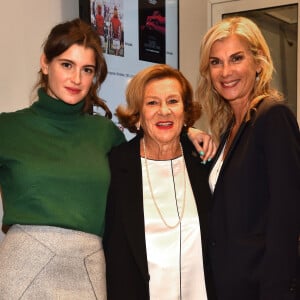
column 233, row 69
column 162, row 114
column 70, row 74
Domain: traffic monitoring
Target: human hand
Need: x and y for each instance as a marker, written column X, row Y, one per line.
column 203, row 143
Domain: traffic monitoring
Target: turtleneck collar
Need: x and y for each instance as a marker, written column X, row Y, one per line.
column 54, row 108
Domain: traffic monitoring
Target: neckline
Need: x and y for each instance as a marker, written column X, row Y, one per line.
column 55, row 108
column 162, row 160
column 180, row 216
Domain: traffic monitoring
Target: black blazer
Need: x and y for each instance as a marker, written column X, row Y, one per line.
column 124, row 238
column 256, row 215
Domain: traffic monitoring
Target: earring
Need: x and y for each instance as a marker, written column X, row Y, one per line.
column 257, row 77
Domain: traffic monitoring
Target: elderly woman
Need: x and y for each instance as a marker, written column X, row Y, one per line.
column 159, row 196
column 255, row 178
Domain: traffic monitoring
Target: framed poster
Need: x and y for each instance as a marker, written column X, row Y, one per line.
column 152, row 31
column 134, row 35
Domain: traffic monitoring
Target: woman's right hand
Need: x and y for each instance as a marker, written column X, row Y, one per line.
column 203, row 143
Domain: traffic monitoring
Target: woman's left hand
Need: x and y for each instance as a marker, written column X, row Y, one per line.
column 203, row 143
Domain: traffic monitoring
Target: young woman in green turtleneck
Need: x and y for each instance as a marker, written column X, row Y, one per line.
column 54, row 175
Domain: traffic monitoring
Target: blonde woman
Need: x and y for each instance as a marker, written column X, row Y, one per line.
column 255, row 177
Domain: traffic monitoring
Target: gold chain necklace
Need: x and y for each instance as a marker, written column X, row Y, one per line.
column 151, row 190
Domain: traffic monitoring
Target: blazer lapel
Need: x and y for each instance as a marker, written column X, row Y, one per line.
column 253, row 114
column 233, row 145
column 230, row 151
column 133, row 211
column 198, row 176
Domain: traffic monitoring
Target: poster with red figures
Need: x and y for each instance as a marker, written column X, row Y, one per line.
column 107, row 18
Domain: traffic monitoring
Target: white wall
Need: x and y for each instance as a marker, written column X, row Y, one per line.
column 24, row 26
column 193, row 25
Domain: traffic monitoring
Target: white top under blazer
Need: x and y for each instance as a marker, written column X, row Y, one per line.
column 174, row 254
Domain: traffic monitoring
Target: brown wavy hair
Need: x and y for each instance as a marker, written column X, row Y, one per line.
column 129, row 115
column 60, row 39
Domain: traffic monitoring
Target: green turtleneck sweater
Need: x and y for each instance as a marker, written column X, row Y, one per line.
column 53, row 165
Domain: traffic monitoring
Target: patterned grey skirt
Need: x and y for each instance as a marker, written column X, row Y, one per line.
column 51, row 263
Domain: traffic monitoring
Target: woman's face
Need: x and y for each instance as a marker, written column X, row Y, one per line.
column 162, row 114
column 233, row 69
column 70, row 74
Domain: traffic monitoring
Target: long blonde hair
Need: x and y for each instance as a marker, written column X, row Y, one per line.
column 218, row 111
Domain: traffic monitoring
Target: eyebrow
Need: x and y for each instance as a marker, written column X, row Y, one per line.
column 71, row 61
column 157, row 97
column 232, row 55
column 237, row 53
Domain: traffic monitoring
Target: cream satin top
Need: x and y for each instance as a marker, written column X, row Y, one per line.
column 215, row 171
column 174, row 255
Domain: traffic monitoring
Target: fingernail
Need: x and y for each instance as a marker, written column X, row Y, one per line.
column 209, row 159
column 201, row 153
column 203, row 162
